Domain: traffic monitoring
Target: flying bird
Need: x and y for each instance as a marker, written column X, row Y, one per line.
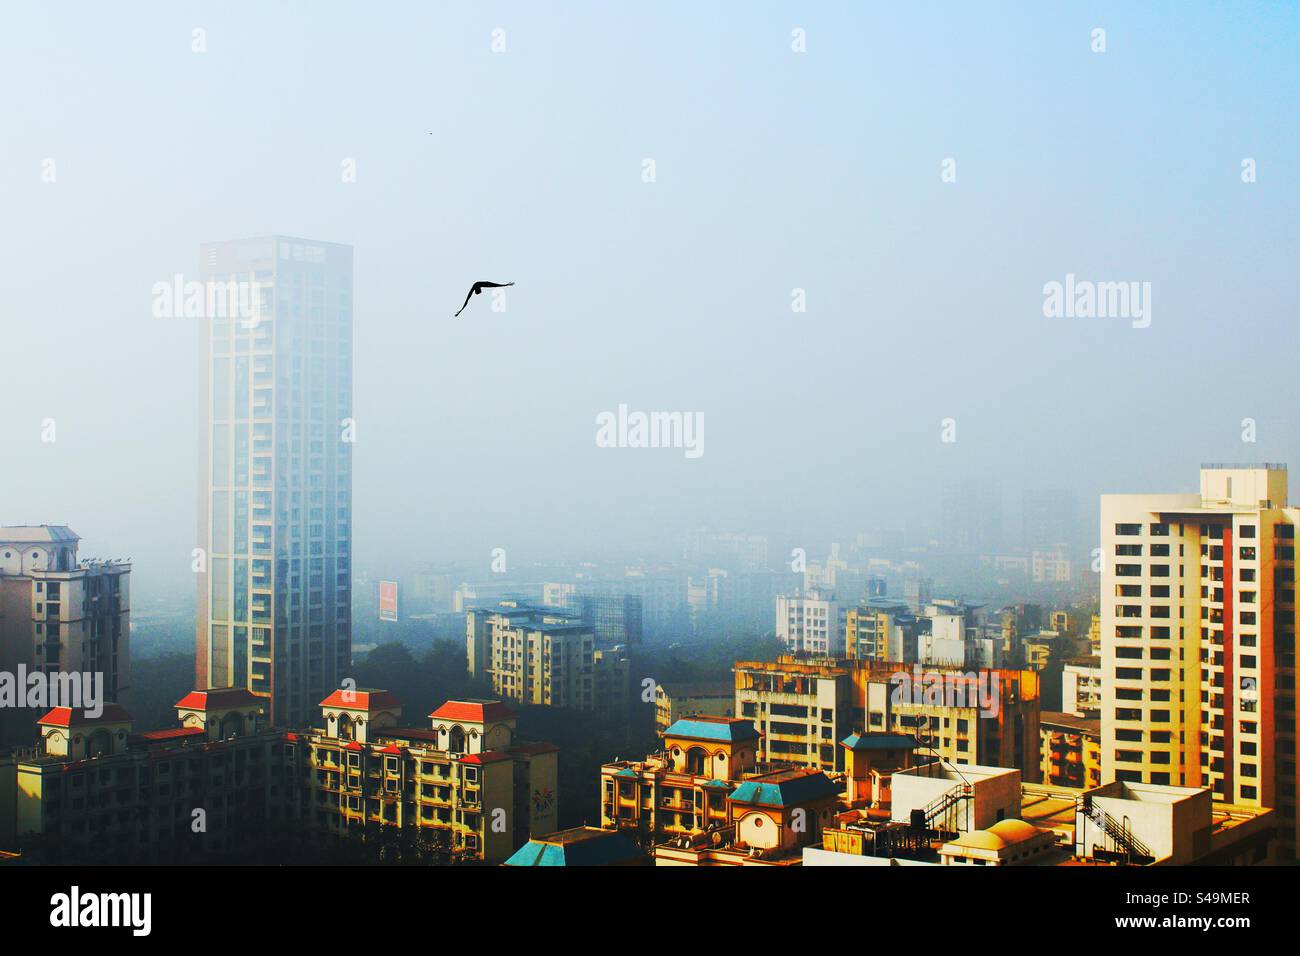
column 477, row 289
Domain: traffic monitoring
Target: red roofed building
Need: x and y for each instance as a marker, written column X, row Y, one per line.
column 473, row 710
column 222, row 712
column 464, row 784
column 76, row 717
column 69, row 732
column 355, row 714
column 98, row 793
column 362, row 700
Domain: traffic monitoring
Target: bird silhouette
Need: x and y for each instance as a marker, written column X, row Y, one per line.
column 477, row 289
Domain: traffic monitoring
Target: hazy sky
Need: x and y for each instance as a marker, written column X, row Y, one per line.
column 775, row 170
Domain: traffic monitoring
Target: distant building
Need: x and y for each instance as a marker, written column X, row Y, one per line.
column 60, row 615
column 612, row 687
column 881, row 629
column 533, row 655
column 1039, row 649
column 275, row 464
column 738, row 552
column 942, row 636
column 630, row 610
column 1071, row 750
column 804, row 707
column 971, row 517
column 1051, row 566
column 1048, row 517
column 562, row 595
column 810, row 623
column 916, row 592
column 742, row 599
column 1081, row 692
column 615, row 618
column 673, row 701
column 431, row 592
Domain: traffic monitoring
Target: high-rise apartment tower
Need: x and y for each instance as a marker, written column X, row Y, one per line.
column 275, row 499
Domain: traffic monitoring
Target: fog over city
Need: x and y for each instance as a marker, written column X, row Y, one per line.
column 835, row 263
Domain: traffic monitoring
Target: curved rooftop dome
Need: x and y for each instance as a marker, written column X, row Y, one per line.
column 1014, row 831
column 981, row 840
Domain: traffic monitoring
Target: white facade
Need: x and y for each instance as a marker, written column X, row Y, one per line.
column 812, row 623
column 995, row 793
column 1052, row 567
column 1081, row 687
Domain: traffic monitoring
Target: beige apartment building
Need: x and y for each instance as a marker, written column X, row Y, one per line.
column 675, row 700
column 880, row 629
column 805, row 707
column 1198, row 625
column 536, row 655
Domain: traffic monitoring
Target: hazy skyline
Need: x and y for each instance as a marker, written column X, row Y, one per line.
column 775, row 171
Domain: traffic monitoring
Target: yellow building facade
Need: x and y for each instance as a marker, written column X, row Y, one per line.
column 464, row 789
column 1198, row 639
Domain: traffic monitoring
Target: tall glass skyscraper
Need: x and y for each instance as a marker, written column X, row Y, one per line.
column 275, row 480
